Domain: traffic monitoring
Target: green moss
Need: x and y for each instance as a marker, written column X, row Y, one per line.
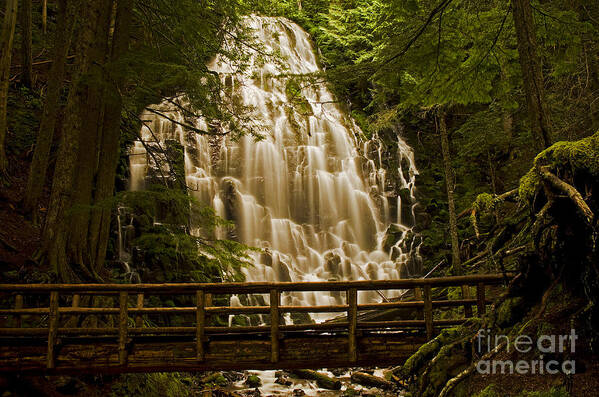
column 491, row 391
column 253, row 381
column 510, row 311
column 428, row 351
column 216, row 378
column 484, row 202
column 554, row 392
column 578, row 157
column 152, row 385
column 451, row 360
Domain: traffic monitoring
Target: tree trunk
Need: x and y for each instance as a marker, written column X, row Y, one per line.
column 532, row 73
column 450, row 185
column 6, row 42
column 92, row 114
column 54, row 237
column 26, row 57
column 507, row 122
column 39, row 164
column 45, row 16
column 456, row 262
column 109, row 147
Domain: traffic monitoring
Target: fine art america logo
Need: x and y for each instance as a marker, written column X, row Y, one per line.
column 549, row 345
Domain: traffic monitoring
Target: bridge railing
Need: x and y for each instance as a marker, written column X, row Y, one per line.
column 58, row 320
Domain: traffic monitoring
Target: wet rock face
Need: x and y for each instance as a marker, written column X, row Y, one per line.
column 393, row 235
column 315, row 191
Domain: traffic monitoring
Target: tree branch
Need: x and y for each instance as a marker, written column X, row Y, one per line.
column 569, row 191
column 187, row 126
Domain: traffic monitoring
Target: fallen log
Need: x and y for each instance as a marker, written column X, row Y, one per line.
column 365, row 379
column 322, row 380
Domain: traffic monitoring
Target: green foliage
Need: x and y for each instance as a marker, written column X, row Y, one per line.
column 491, row 391
column 484, row 202
column 23, row 117
column 152, row 385
column 293, row 90
column 174, row 43
column 170, row 251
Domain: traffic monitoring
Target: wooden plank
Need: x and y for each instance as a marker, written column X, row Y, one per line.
column 18, row 306
column 123, row 318
column 238, row 310
column 402, row 324
column 416, row 304
column 99, row 355
column 227, row 288
column 428, row 312
column 313, row 309
column 52, row 330
column 138, row 311
column 275, row 300
column 200, row 324
column 352, row 319
column 139, row 320
column 480, row 299
column 466, row 295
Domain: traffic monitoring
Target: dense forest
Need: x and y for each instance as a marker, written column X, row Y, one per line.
column 493, row 107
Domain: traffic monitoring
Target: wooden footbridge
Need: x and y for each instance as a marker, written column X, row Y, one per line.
column 116, row 328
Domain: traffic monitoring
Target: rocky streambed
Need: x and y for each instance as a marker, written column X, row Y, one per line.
column 333, row 383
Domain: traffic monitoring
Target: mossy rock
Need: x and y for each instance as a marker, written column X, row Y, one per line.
column 253, row 381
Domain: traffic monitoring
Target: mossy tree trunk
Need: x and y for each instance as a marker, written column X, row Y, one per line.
column 26, row 57
column 6, row 43
column 456, row 261
column 39, row 164
column 450, row 185
column 532, row 73
column 55, row 234
column 110, row 142
column 92, row 115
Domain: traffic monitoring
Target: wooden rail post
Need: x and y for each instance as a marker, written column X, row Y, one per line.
column 275, row 298
column 417, row 294
column 466, row 295
column 200, row 324
column 18, row 306
column 428, row 312
column 139, row 320
column 123, row 318
column 480, row 299
column 74, row 304
column 52, row 329
column 352, row 319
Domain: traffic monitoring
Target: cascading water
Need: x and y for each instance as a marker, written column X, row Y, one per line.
column 313, row 194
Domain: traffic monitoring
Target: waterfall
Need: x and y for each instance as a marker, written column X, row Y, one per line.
column 314, row 193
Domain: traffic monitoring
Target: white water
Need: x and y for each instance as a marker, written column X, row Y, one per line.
column 313, row 194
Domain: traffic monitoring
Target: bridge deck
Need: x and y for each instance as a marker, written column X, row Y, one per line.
column 165, row 354
column 111, row 328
